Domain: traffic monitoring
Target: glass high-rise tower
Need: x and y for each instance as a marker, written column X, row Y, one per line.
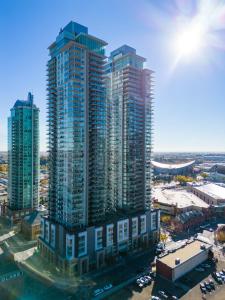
column 99, row 118
column 77, row 127
column 23, row 157
column 129, row 98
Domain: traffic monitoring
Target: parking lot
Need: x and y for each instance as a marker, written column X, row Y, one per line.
column 193, row 280
column 188, row 287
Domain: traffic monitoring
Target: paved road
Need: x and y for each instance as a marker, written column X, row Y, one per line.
column 25, row 287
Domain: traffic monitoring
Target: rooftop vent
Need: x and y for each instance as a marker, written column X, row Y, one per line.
column 177, row 261
column 202, row 247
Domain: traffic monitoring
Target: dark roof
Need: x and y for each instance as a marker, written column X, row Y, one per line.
column 35, row 217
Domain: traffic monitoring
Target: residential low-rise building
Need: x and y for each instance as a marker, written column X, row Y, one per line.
column 31, row 224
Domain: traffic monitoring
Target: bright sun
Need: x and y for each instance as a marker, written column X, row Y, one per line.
column 190, row 41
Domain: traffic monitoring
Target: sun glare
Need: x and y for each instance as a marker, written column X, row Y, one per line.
column 198, row 35
column 189, row 41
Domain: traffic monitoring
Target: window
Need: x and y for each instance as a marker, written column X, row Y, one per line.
column 69, row 246
column 42, row 228
column 122, row 230
column 153, row 221
column 82, row 243
column 52, row 242
column 109, row 233
column 134, row 227
column 143, row 224
column 98, row 238
column 47, row 231
column 125, row 230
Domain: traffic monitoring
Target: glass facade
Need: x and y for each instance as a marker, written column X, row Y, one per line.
column 23, row 152
column 129, row 115
column 77, row 127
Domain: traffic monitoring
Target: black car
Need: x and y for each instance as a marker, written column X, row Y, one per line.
column 202, row 285
column 208, row 286
column 212, row 284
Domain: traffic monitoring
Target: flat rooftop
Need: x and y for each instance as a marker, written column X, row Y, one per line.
column 180, row 197
column 184, row 254
column 213, row 190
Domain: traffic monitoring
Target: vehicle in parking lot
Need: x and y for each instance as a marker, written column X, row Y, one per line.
column 212, row 284
column 207, row 286
column 202, row 287
column 174, row 298
column 217, row 277
column 143, row 280
column 163, row 294
column 155, row 298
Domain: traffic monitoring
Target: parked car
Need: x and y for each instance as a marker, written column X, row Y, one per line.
column 163, row 294
column 202, row 287
column 212, row 285
column 148, row 278
column 207, row 286
column 155, row 298
column 211, row 282
column 217, row 277
column 222, row 276
column 139, row 283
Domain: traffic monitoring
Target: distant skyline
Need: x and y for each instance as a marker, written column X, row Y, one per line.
column 189, row 95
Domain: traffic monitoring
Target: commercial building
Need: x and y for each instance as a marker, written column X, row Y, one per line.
column 174, row 265
column 185, row 209
column 86, row 228
column 175, row 201
column 23, row 158
column 173, row 168
column 211, row 193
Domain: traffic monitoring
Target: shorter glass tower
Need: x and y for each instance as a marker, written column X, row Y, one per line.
column 129, row 131
column 23, row 152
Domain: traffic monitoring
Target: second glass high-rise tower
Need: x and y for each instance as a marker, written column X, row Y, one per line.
column 23, row 157
column 129, row 98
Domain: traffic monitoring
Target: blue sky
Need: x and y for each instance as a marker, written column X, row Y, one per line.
column 189, row 99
